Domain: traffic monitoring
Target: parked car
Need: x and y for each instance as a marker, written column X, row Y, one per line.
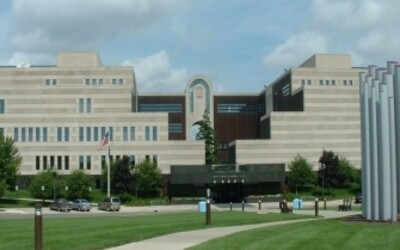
column 81, row 205
column 110, row 204
column 61, row 205
column 358, row 198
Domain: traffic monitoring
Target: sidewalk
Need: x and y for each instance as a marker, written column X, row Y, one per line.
column 182, row 240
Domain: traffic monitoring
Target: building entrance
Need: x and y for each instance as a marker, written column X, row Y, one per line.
column 227, row 192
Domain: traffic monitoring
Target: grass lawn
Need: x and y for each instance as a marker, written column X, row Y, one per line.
column 102, row 232
column 321, row 234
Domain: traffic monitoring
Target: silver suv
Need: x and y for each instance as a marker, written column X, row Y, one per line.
column 110, row 204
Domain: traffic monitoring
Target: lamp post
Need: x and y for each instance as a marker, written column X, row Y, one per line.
column 38, row 227
column 42, row 188
column 136, row 181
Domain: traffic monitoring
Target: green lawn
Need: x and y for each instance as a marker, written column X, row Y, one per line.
column 321, row 234
column 102, row 232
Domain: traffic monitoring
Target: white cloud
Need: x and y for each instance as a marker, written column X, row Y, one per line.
column 155, row 74
column 295, row 50
column 49, row 26
column 18, row 58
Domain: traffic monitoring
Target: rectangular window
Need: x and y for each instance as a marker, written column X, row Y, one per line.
column 37, row 162
column 2, row 106
column 132, row 133
column 88, row 162
column 147, row 157
column 125, row 133
column 111, row 133
column 59, row 133
column 350, row 82
column 23, row 134
column 103, row 132
column 2, row 131
column 132, row 160
column 94, row 81
column 30, row 134
column 54, row 81
column 81, row 105
column 309, row 82
column 121, row 81
column 326, row 82
column 88, row 105
column 37, row 134
column 96, row 134
column 81, row 133
column 45, row 134
column 52, row 162
column 88, row 133
column 59, row 162
column 154, row 133
column 147, row 135
column 87, row 81
column 321, row 82
column 81, row 162
column 66, row 134
column 66, row 162
column 114, row 81
column 44, row 162
column 303, row 82
column 100, row 81
column 155, row 159
column 16, row 135
column 344, row 82
column 47, row 81
column 333, row 82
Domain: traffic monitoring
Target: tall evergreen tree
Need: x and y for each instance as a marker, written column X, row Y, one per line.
column 329, row 169
column 207, row 133
column 10, row 162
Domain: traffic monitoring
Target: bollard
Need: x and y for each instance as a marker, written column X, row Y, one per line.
column 324, row 203
column 242, row 205
column 259, row 205
column 316, row 206
column 231, row 205
column 38, row 227
column 208, row 213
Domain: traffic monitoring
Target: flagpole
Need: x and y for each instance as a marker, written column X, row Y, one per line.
column 108, row 170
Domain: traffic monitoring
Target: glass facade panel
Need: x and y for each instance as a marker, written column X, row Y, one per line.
column 175, row 128
column 161, row 107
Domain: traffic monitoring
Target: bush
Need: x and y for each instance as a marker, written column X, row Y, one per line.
column 320, row 192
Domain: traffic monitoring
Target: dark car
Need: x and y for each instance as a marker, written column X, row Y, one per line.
column 61, row 205
column 110, row 204
column 81, row 205
column 358, row 198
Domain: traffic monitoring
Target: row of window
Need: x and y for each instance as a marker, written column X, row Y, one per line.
column 60, row 162
column 326, row 82
column 161, row 107
column 40, row 134
column 88, row 81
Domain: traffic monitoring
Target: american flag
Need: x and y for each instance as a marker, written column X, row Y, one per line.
column 104, row 141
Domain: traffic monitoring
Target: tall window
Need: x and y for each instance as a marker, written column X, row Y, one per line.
column 59, row 133
column 37, row 162
column 23, row 133
column 66, row 162
column 66, row 134
column 16, row 135
column 81, row 132
column 52, row 162
column 45, row 138
column 125, row 133
column 132, row 133
column 111, row 130
column 2, row 131
column 154, row 133
column 95, row 133
column 132, row 160
column 88, row 105
column 81, row 105
column 88, row 133
column 81, row 162
column 147, row 135
column 37, row 134
column 30, row 134
column 2, row 106
column 88, row 162
column 59, row 162
column 44, row 162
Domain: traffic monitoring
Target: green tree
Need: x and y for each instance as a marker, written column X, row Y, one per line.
column 207, row 133
column 301, row 172
column 123, row 179
column 329, row 169
column 149, row 177
column 347, row 173
column 79, row 184
column 47, row 184
column 10, row 162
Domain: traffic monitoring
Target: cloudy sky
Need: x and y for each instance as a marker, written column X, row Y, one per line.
column 240, row 45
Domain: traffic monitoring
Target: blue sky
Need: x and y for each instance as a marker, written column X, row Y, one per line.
column 240, row 45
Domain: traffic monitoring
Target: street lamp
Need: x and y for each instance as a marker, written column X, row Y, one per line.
column 42, row 188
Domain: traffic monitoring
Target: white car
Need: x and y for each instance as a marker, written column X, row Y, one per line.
column 81, row 205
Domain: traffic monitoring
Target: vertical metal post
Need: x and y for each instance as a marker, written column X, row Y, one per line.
column 231, row 206
column 316, row 206
column 242, row 205
column 259, row 205
column 324, row 203
column 38, row 227
column 208, row 213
